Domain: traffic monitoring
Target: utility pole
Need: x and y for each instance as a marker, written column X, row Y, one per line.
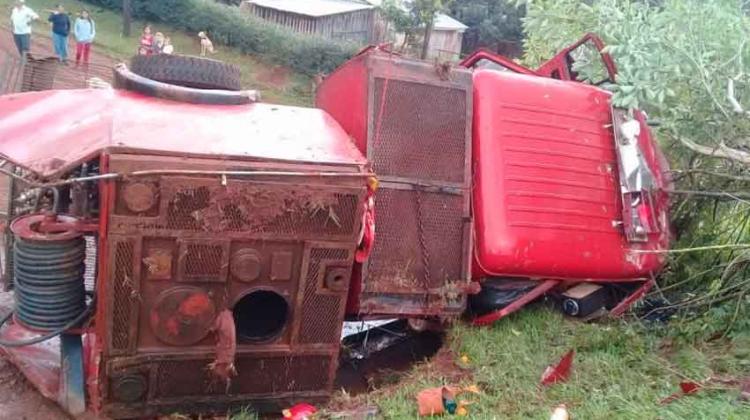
column 126, row 18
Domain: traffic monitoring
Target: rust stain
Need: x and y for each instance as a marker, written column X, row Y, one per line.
column 195, row 305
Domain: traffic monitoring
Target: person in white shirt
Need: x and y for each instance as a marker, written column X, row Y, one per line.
column 21, row 19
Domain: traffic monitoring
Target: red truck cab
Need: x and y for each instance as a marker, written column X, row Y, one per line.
column 565, row 188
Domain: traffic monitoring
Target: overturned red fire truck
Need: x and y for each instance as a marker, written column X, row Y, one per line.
column 176, row 246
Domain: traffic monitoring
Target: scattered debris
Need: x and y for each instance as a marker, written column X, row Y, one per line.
column 686, row 388
column 436, row 401
column 301, row 411
column 441, row 400
column 361, row 413
column 560, row 413
column 560, row 372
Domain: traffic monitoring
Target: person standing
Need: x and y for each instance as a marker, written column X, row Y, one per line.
column 21, row 19
column 60, row 31
column 84, row 30
column 147, row 41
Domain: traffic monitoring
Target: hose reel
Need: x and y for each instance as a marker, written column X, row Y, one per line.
column 49, row 252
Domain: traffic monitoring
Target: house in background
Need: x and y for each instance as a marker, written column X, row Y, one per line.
column 445, row 41
column 447, row 36
column 357, row 21
column 339, row 20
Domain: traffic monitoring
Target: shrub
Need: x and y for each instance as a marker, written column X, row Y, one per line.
column 228, row 26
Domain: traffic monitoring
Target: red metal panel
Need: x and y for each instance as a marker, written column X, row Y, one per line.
column 79, row 124
column 417, row 123
column 184, row 248
column 344, row 96
column 547, row 198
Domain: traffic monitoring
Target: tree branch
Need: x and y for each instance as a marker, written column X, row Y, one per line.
column 723, row 151
column 711, row 173
column 732, row 98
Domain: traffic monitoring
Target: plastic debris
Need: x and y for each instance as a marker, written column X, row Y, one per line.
column 301, row 411
column 686, row 388
column 559, row 372
column 449, row 401
column 560, row 413
column 436, row 401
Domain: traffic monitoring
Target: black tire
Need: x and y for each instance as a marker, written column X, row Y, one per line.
column 193, row 72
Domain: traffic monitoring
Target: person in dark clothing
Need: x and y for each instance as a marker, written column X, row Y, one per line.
column 60, row 29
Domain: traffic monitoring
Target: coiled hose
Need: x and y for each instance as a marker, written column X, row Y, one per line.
column 50, row 291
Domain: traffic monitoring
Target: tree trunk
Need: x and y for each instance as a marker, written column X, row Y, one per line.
column 427, row 36
column 126, row 18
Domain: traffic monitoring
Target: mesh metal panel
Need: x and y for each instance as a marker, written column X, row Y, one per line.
column 124, row 297
column 264, row 376
column 280, row 375
column 203, row 260
column 182, row 208
column 321, row 313
column 421, row 133
column 249, row 207
column 187, row 377
column 401, row 252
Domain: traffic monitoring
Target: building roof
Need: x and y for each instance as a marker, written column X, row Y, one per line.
column 446, row 23
column 52, row 131
column 313, row 8
column 443, row 22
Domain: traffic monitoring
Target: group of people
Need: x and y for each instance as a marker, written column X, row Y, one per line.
column 154, row 43
column 84, row 31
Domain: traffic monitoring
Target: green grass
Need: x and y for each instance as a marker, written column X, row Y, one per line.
column 620, row 372
column 109, row 40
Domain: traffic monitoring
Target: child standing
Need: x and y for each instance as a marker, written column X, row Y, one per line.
column 84, row 31
column 147, row 41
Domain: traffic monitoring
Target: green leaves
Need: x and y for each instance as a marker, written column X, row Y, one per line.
column 674, row 60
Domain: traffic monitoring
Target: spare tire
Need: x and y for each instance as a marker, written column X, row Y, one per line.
column 187, row 71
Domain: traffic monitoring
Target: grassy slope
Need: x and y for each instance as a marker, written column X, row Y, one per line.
column 619, row 372
column 109, row 39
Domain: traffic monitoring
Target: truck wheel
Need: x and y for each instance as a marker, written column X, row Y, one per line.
column 193, row 72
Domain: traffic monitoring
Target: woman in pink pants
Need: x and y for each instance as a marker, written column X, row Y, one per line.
column 84, row 31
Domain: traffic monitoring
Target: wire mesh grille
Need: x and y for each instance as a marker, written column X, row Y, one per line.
column 421, row 133
column 320, row 319
column 187, row 377
column 261, row 209
column 256, row 376
column 124, row 295
column 397, row 262
column 279, row 375
column 203, row 261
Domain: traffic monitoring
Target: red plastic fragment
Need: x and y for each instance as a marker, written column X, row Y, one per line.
column 301, row 411
column 560, row 372
column 686, row 388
